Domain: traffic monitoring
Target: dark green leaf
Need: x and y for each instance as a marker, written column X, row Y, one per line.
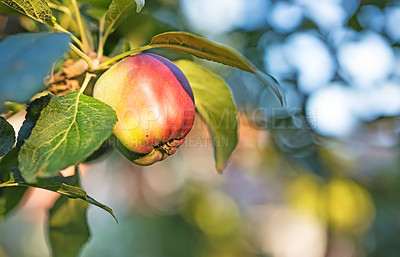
column 32, row 115
column 7, row 136
column 203, row 48
column 68, row 227
column 7, row 162
column 70, row 191
column 69, row 129
column 214, row 103
column 36, row 9
column 25, row 61
column 116, row 9
column 56, row 185
column 9, row 196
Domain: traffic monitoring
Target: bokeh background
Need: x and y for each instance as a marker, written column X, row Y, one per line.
column 317, row 178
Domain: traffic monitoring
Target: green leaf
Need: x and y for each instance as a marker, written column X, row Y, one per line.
column 67, row 223
column 68, row 227
column 215, row 105
column 9, row 196
column 32, row 115
column 25, row 61
column 7, row 162
column 203, row 48
column 116, row 9
column 7, row 136
column 70, row 191
column 70, row 129
column 36, row 9
column 57, row 185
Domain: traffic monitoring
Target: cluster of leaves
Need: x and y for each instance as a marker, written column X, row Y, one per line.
column 60, row 131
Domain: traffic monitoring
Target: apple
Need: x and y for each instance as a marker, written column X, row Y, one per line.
column 154, row 105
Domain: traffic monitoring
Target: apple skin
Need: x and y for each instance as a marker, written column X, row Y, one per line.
column 154, row 105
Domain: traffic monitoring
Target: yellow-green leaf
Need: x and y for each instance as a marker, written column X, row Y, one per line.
column 36, row 9
column 70, row 128
column 215, row 105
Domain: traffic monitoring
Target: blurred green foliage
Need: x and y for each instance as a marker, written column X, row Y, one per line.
column 288, row 190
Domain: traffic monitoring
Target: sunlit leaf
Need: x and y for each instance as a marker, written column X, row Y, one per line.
column 36, row 9
column 203, row 48
column 7, row 136
column 70, row 129
column 214, row 103
column 25, row 61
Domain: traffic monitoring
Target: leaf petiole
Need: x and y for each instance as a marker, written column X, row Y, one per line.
column 123, row 55
column 74, row 38
column 83, row 56
column 10, row 184
column 79, row 21
column 60, row 8
column 88, row 77
column 101, row 37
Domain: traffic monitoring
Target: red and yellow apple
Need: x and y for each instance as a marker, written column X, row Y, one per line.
column 154, row 105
